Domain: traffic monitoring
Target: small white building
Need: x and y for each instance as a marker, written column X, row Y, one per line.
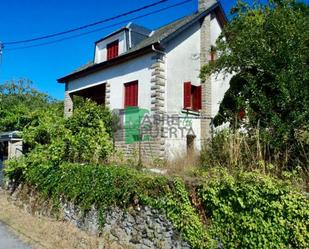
column 11, row 146
column 158, row 72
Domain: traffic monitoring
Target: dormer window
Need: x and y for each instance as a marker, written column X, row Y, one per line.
column 112, row 49
column 119, row 42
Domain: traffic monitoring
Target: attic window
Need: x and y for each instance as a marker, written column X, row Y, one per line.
column 112, row 49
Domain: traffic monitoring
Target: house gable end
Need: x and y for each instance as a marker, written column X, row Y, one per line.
column 161, row 36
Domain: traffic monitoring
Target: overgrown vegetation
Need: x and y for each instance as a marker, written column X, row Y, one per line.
column 81, row 138
column 108, row 186
column 237, row 150
column 243, row 210
column 59, row 166
column 253, row 210
column 266, row 47
column 21, row 104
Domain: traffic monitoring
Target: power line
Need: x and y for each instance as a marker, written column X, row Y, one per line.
column 88, row 25
column 100, row 29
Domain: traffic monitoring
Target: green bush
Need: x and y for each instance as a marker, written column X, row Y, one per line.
column 108, row 186
column 82, row 138
column 184, row 216
column 87, row 185
column 90, row 115
column 250, row 210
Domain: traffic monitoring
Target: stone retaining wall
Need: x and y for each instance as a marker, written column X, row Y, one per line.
column 135, row 228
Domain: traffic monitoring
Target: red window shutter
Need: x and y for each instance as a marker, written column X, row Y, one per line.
column 108, row 53
column 131, row 94
column 112, row 49
column 109, row 50
column 212, row 56
column 187, row 95
column 242, row 114
column 126, row 95
column 116, row 48
column 198, row 98
column 131, row 98
column 135, row 98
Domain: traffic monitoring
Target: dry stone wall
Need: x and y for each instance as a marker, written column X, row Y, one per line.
column 136, row 227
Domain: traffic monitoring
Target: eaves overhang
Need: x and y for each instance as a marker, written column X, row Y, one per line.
column 106, row 64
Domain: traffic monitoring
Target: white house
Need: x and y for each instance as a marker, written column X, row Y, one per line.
column 157, row 71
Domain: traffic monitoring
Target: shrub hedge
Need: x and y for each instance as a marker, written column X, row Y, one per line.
column 108, row 186
column 251, row 210
column 243, row 210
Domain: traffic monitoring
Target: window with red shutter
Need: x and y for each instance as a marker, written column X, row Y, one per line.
column 197, row 98
column 192, row 97
column 131, row 94
column 213, row 56
column 187, row 95
column 112, row 49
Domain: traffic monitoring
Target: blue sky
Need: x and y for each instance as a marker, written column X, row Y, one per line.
column 25, row 19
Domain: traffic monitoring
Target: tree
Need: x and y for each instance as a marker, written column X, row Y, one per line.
column 266, row 47
column 20, row 104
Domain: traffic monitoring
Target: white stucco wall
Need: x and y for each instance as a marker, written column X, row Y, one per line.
column 136, row 69
column 183, row 64
column 220, row 82
column 101, row 51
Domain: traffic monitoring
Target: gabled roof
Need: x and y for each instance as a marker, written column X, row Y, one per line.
column 166, row 31
column 131, row 26
column 158, row 37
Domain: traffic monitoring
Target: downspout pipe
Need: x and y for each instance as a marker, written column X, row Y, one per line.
column 130, row 37
column 157, row 50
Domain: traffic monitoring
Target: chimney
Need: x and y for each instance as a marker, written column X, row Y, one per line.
column 204, row 59
column 205, row 4
column 202, row 5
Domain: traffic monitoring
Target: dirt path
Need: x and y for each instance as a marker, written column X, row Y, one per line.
column 39, row 232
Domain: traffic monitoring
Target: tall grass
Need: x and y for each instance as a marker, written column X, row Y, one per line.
column 238, row 150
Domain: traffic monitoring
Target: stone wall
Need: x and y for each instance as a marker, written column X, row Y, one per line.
column 150, row 150
column 68, row 102
column 136, row 227
column 206, row 85
column 107, row 94
column 15, row 149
